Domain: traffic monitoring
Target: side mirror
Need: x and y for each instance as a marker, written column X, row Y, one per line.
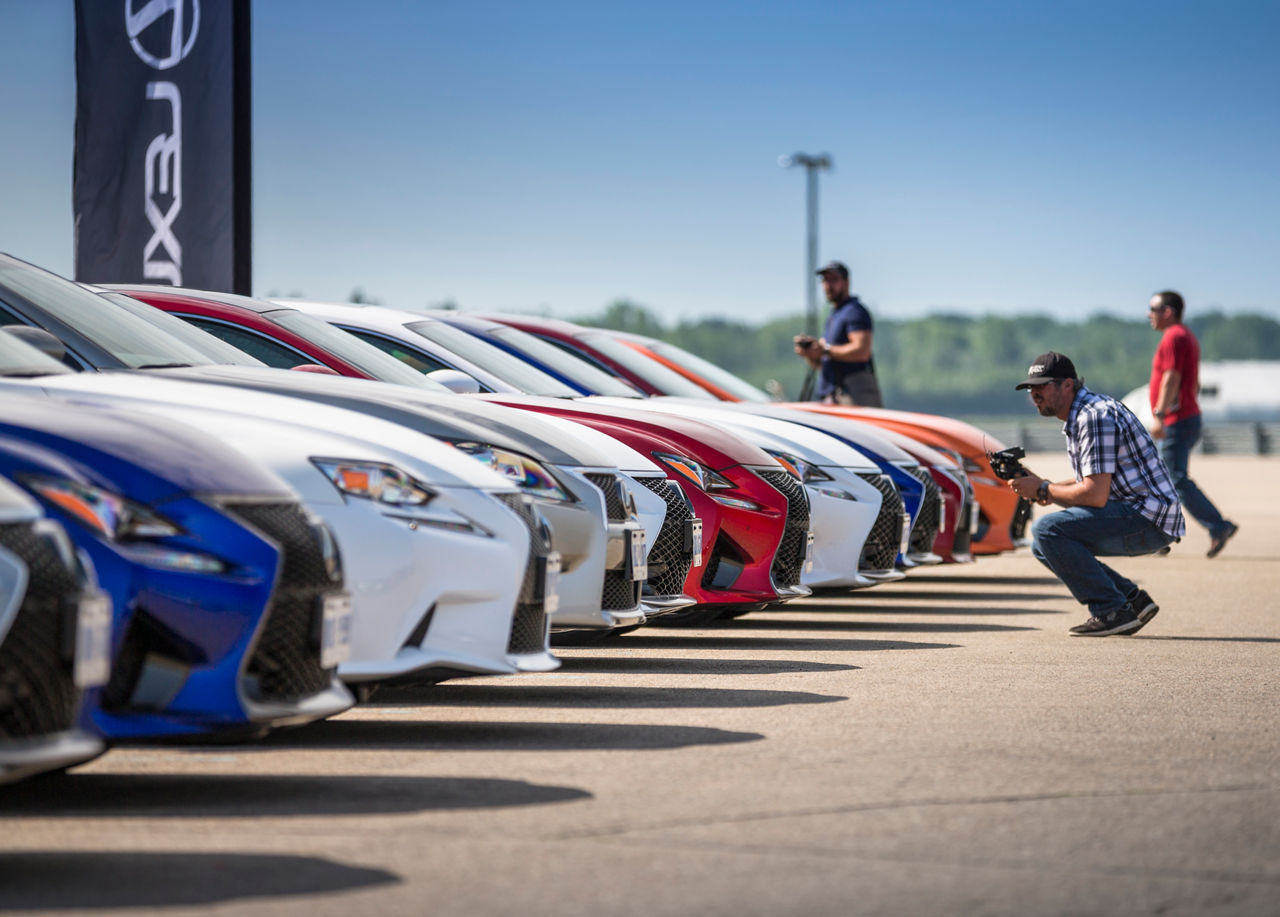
column 40, row 339
column 455, row 381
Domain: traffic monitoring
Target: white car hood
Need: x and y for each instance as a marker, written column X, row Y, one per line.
column 440, row 464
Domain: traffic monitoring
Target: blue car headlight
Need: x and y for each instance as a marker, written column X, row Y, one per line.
column 126, row 523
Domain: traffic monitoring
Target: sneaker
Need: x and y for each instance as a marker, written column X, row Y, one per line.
column 1143, row 607
column 1219, row 541
column 1120, row 621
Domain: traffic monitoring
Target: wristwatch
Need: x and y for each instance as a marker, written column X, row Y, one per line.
column 1042, row 492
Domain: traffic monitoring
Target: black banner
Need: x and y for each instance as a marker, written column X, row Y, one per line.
column 162, row 162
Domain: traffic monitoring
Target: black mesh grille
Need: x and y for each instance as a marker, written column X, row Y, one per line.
column 37, row 695
column 286, row 660
column 960, row 544
column 927, row 522
column 788, row 562
column 881, row 547
column 529, row 623
column 619, row 591
column 612, row 488
column 669, row 562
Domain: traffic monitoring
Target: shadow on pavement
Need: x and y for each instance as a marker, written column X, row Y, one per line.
column 1208, row 639
column 923, row 577
column 593, row 696
column 880, row 595
column 932, row 627
column 703, row 640
column 698, row 666
column 977, row 610
column 432, row 735
column 57, row 881
column 257, row 795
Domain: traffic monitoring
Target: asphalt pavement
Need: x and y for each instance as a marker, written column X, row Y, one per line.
column 934, row 746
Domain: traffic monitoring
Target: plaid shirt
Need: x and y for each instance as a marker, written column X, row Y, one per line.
column 1104, row 437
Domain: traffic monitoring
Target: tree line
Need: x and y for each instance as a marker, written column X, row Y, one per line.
column 955, row 364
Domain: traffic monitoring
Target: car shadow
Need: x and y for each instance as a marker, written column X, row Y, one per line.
column 531, row 694
column 880, row 595
column 809, row 624
column 437, row 735
column 58, row 880
column 923, row 576
column 264, row 795
column 718, row 640
column 675, row 665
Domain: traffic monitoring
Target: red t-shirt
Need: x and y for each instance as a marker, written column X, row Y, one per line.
column 1180, row 351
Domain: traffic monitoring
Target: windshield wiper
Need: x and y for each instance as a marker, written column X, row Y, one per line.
column 164, row 366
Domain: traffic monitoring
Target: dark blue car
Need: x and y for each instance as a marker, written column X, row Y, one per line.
column 228, row 602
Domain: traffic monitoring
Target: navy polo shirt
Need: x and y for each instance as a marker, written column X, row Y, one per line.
column 850, row 315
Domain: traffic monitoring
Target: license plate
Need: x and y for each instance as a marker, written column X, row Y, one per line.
column 93, row 640
column 808, row 554
column 942, row 513
column 906, row 533
column 693, row 539
column 551, row 582
column 335, row 630
column 639, row 554
column 974, row 513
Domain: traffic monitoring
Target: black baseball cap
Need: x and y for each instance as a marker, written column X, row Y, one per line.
column 1048, row 367
column 836, row 266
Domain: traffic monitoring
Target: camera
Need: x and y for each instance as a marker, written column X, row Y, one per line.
column 805, row 340
column 1005, row 463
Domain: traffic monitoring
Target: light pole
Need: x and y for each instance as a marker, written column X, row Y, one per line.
column 812, row 165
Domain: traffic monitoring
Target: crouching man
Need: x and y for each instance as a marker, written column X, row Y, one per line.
column 1122, row 502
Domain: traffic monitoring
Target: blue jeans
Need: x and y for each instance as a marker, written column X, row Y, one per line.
column 1175, row 450
column 1070, row 542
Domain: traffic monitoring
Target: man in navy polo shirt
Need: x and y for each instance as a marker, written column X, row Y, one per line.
column 842, row 356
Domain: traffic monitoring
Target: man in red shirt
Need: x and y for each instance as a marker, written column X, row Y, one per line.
column 1175, row 382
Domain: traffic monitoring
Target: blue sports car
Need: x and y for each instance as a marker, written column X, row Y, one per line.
column 229, row 607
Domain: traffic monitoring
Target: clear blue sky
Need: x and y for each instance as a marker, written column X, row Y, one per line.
column 1063, row 157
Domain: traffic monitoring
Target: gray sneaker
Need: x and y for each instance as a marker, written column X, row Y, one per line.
column 1120, row 621
column 1143, row 607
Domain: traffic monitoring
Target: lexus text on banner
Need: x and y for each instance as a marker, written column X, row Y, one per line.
column 162, row 185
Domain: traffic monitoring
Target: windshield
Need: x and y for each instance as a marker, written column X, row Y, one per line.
column 360, row 354
column 667, row 381
column 579, row 371
column 213, row 348
column 717, row 376
column 131, row 340
column 18, row 358
column 511, row 370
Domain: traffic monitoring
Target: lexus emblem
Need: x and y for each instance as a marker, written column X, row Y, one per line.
column 148, row 20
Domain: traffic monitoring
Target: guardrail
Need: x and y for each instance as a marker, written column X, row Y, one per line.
column 1222, row 438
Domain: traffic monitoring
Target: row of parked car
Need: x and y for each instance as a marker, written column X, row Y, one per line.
column 222, row 515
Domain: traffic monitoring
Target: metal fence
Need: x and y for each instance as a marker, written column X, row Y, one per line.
column 1224, row 438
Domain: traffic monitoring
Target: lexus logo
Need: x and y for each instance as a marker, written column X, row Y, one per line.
column 159, row 42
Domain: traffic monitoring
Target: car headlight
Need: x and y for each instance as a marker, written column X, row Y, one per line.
column 110, row 515
column 528, row 474
column 127, row 523
column 837, row 493
column 375, row 481
column 801, row 469
column 695, row 472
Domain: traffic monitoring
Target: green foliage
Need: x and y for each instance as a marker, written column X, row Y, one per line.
column 956, row 364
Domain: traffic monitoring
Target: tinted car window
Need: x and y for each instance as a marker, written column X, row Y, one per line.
column 415, row 359
column 129, row 339
column 21, row 359
column 568, row 365
column 511, row 370
column 256, row 345
column 709, row 371
column 358, row 353
column 216, row 349
column 667, row 381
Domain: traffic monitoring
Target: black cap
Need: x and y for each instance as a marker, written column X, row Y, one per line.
column 836, row 266
column 1048, row 367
